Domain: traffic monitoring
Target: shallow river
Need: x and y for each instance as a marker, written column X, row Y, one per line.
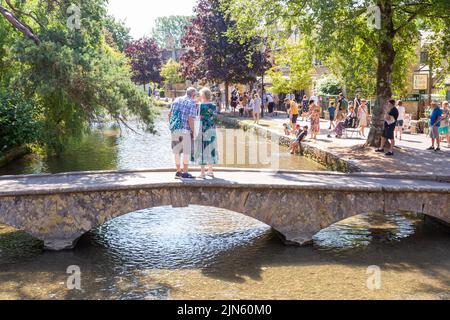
column 210, row 253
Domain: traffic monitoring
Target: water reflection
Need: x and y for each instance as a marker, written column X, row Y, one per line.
column 209, row 253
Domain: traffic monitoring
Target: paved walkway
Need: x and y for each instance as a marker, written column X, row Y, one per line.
column 231, row 178
column 410, row 155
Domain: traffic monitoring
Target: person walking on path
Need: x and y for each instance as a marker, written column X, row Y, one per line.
column 401, row 119
column 257, row 105
column 444, row 129
column 206, row 150
column 181, row 123
column 435, row 124
column 292, row 111
column 314, row 112
column 390, row 121
column 363, row 114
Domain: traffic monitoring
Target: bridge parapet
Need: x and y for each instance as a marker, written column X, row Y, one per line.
column 60, row 208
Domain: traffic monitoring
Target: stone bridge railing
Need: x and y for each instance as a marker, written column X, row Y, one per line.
column 59, row 209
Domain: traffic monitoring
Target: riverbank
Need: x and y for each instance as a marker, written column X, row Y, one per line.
column 350, row 155
column 13, row 154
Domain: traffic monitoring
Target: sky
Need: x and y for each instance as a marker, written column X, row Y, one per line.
column 140, row 15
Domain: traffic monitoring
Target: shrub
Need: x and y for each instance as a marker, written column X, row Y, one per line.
column 19, row 122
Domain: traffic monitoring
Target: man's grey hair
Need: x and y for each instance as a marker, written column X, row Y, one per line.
column 191, row 92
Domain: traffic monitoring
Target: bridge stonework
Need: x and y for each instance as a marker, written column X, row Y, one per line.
column 297, row 212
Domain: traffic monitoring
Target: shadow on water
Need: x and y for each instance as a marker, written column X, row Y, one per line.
column 222, row 245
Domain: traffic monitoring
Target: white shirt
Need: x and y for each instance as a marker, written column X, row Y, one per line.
column 314, row 98
column 269, row 98
column 401, row 113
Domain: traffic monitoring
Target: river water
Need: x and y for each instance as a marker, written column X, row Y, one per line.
column 210, row 253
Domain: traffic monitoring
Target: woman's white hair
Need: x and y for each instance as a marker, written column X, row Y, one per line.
column 206, row 92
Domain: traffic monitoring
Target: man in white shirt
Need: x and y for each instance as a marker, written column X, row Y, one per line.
column 314, row 97
column 270, row 104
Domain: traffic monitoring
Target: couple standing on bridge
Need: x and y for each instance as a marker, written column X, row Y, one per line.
column 192, row 122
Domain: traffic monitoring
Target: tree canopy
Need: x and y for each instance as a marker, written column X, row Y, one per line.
column 369, row 57
column 213, row 56
column 70, row 74
column 144, row 56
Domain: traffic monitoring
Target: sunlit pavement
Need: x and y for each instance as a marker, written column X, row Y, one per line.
column 410, row 152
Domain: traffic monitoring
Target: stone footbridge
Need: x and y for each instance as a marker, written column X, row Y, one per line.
column 59, row 209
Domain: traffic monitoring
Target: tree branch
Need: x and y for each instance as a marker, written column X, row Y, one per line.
column 17, row 24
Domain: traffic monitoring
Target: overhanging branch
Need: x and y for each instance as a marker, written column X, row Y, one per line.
column 17, row 24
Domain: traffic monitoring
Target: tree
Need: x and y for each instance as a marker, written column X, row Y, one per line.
column 169, row 31
column 329, row 85
column 145, row 59
column 213, row 56
column 72, row 76
column 170, row 72
column 337, row 27
column 117, row 33
column 296, row 58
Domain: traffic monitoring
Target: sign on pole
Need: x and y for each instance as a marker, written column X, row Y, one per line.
column 420, row 81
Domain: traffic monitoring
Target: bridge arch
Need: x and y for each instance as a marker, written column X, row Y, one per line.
column 296, row 213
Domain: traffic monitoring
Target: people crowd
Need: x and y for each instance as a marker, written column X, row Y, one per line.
column 192, row 121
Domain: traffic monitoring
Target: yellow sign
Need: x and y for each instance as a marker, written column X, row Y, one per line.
column 420, row 82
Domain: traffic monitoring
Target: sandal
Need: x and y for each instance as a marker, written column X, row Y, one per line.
column 211, row 175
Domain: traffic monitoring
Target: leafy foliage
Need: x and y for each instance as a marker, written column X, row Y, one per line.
column 19, row 121
column 145, row 59
column 117, row 34
column 369, row 60
column 76, row 77
column 170, row 72
column 213, row 56
column 297, row 58
column 169, row 31
column 329, row 84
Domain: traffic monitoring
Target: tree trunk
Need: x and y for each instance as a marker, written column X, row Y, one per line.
column 386, row 57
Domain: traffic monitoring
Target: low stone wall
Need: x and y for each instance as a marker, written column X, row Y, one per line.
column 326, row 158
column 12, row 154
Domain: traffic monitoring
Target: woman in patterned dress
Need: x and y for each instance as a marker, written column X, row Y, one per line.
column 314, row 113
column 206, row 151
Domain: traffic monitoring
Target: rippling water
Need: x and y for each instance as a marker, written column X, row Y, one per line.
column 208, row 253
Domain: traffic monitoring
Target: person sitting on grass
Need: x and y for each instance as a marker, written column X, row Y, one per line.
column 302, row 134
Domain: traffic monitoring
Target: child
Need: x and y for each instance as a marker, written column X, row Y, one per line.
column 300, row 138
column 287, row 129
column 297, row 130
column 332, row 112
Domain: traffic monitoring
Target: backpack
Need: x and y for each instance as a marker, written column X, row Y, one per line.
column 175, row 121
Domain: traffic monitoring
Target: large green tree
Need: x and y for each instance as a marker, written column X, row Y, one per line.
column 68, row 68
column 340, row 29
